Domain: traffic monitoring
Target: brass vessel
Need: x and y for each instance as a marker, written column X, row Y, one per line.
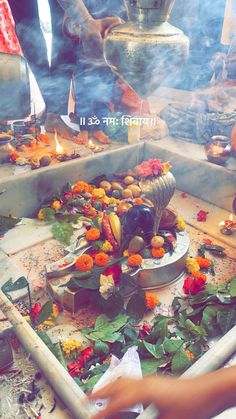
column 146, row 51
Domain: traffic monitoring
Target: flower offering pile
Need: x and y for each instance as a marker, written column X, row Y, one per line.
column 115, row 235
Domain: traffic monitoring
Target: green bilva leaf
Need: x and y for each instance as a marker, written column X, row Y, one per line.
column 232, row 287
column 196, row 330
column 111, row 338
column 67, row 218
column 160, row 330
column 101, row 321
column 59, row 354
column 48, row 214
column 91, row 283
column 180, row 361
column 119, row 321
column 172, row 345
column 101, row 348
column 62, row 232
column 46, row 339
column 7, row 223
column 157, row 351
column 45, row 312
column 226, row 319
column 90, row 383
column 209, row 321
column 9, row 286
column 136, row 306
column 149, row 366
column 114, row 305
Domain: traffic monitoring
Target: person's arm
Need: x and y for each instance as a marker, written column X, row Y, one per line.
column 193, row 398
column 92, row 30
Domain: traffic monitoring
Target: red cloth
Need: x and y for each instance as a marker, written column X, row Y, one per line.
column 8, row 39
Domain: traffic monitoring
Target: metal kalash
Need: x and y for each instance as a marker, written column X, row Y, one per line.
column 146, row 51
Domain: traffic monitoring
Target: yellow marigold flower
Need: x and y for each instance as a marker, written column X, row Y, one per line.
column 55, row 310
column 126, row 253
column 56, row 205
column 192, row 265
column 180, row 223
column 71, row 345
column 111, row 200
column 107, row 247
column 151, row 300
column 40, row 215
column 166, row 167
column 98, row 193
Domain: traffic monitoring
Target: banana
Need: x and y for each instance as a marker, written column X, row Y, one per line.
column 115, row 226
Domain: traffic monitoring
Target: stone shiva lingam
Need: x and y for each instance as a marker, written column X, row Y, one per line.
column 156, row 222
column 146, row 51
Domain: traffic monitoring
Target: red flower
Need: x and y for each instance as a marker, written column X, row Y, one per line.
column 115, row 271
column 75, row 367
column 193, row 286
column 145, row 330
column 156, row 165
column 207, row 241
column 35, row 310
column 183, row 195
column 202, row 215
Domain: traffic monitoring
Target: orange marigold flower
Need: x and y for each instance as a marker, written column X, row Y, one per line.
column 82, row 187
column 92, row 234
column 204, row 263
column 101, row 259
column 84, row 263
column 198, row 275
column 190, row 355
column 151, row 300
column 90, row 212
column 138, row 201
column 135, row 260
column 158, row 253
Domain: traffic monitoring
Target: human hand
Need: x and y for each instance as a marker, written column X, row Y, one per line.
column 174, row 399
column 93, row 32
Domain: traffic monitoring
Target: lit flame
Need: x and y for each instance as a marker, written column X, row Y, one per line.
column 59, row 148
column 221, row 223
column 231, row 217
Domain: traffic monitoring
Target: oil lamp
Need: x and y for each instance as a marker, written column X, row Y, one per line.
column 227, row 226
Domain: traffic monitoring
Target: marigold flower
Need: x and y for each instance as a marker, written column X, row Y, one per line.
column 56, row 205
column 151, row 300
column 135, row 260
column 98, row 193
column 107, row 247
column 204, row 263
column 126, row 253
column 180, row 223
column 158, row 253
column 190, row 355
column 166, row 167
column 84, row 263
column 92, row 234
column 192, row 265
column 40, row 215
column 71, row 345
column 111, row 200
column 199, row 275
column 138, row 201
column 101, row 259
column 82, row 187
column 90, row 212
